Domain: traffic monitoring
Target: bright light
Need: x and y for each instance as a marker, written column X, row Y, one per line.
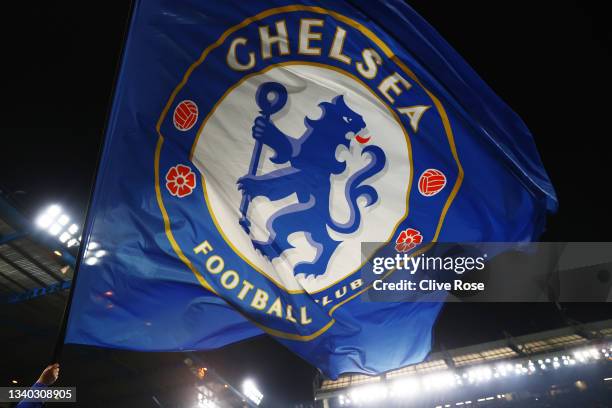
column 54, row 210
column 439, row 380
column 14, row 381
column 201, row 373
column 58, row 253
column 480, row 374
column 585, row 354
column 369, row 393
column 204, row 401
column 404, row 387
column 100, row 253
column 505, row 369
column 55, row 222
column 44, row 220
column 91, row 260
column 55, row 229
column 251, row 391
column 414, row 385
column 63, row 219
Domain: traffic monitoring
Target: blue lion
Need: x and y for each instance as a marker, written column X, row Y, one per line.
column 312, row 160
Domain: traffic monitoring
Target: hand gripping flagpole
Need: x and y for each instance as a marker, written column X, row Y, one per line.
column 270, row 97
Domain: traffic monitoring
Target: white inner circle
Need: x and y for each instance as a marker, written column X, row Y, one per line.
column 223, row 153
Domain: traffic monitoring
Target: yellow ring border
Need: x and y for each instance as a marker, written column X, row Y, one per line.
column 387, row 51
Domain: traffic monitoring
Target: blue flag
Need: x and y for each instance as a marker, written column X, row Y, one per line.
column 253, row 146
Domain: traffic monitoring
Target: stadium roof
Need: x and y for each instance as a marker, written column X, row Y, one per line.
column 28, row 268
column 512, row 348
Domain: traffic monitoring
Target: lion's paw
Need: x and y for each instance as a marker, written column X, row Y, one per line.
column 248, row 185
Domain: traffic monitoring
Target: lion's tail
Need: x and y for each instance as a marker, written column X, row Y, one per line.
column 354, row 190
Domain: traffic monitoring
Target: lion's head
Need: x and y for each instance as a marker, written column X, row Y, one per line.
column 338, row 123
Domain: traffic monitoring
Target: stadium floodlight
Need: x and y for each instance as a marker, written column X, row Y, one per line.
column 439, row 380
column 369, row 393
column 63, row 220
column 57, row 223
column 404, row 387
column 205, row 401
column 55, row 229
column 250, row 390
column 431, row 383
column 480, row 374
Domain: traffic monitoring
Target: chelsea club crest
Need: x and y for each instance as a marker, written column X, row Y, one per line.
column 297, row 135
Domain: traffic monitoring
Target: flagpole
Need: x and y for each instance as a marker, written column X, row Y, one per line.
column 61, row 335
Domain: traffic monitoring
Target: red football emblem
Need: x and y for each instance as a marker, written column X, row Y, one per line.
column 185, row 115
column 431, row 182
column 180, row 181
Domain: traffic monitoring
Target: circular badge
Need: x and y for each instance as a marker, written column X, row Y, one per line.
column 300, row 204
column 312, row 136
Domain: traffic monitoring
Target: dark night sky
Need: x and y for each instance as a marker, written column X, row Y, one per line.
column 550, row 61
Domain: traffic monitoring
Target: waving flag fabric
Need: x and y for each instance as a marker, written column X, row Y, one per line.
column 253, row 146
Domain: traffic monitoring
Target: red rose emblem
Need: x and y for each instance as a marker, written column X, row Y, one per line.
column 180, row 181
column 407, row 240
